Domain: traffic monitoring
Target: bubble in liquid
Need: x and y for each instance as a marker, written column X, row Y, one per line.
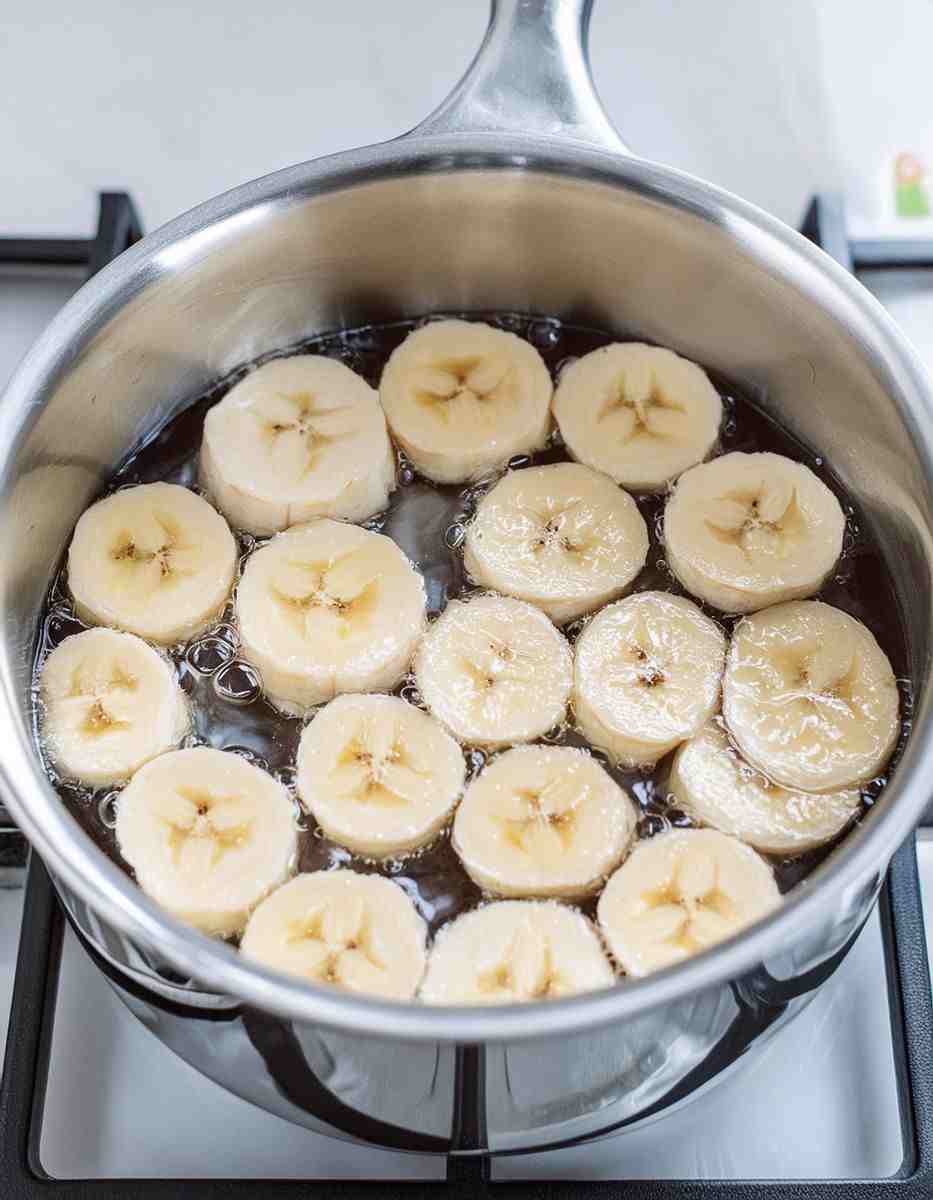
column 545, row 334
column 237, row 682
column 107, row 809
column 247, row 543
column 476, row 760
column 376, row 524
column 300, row 816
column 61, row 623
column 250, row 755
column 208, row 654
column 651, row 825
column 228, row 632
column 517, row 461
column 454, row 535
column 679, row 819
column 510, row 322
column 287, row 775
column 410, row 694
column 729, row 424
column 575, row 628
column 365, row 339
column 187, row 677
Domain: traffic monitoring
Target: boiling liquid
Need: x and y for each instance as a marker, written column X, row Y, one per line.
column 428, row 522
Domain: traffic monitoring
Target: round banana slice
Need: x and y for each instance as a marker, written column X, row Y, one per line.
column 543, row 821
column 513, row 951
column 495, row 671
column 326, row 608
column 562, row 537
column 358, row 932
column 679, row 893
column 749, row 530
column 647, row 673
column 208, row 835
column 155, row 560
column 809, row 697
column 298, row 438
column 638, row 413
column 711, row 782
column 461, row 398
column 379, row 775
column 110, row 704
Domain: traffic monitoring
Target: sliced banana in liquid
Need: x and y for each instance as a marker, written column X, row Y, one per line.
column 562, row 537
column 647, row 675
column 712, row 782
column 810, row 698
column 680, row 893
column 326, row 608
column 154, row 560
column 379, row 775
column 208, row 835
column 514, row 951
column 461, row 398
column 110, row 704
column 298, row 438
column 543, row 821
column 494, row 671
column 638, row 413
column 749, row 530
column 357, row 932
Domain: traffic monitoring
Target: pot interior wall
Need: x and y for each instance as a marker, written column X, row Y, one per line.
column 628, row 259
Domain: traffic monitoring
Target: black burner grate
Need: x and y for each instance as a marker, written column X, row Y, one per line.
column 25, row 1073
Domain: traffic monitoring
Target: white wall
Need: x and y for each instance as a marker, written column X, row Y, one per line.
column 178, row 101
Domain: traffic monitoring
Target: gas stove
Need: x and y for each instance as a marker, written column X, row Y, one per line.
column 92, row 1105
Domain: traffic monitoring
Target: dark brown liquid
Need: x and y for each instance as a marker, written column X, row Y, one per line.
column 427, row 521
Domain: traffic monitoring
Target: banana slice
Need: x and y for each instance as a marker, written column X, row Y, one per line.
column 155, row 560
column 298, row 438
column 647, row 673
column 679, row 893
column 562, row 537
column 543, row 821
column 358, row 932
column 638, row 413
column 379, row 775
column 514, row 951
column 208, row 835
column 809, row 697
column 111, row 703
column 461, row 398
column 494, row 671
column 326, row 608
column 749, row 530
column 710, row 781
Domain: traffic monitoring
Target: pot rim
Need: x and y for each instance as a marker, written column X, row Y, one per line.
column 72, row 856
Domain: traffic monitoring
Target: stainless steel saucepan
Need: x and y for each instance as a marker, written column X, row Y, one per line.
column 515, row 194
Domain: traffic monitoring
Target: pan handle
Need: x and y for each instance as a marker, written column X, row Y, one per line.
column 531, row 75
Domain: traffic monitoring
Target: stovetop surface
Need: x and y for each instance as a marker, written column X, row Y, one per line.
column 818, row 1101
